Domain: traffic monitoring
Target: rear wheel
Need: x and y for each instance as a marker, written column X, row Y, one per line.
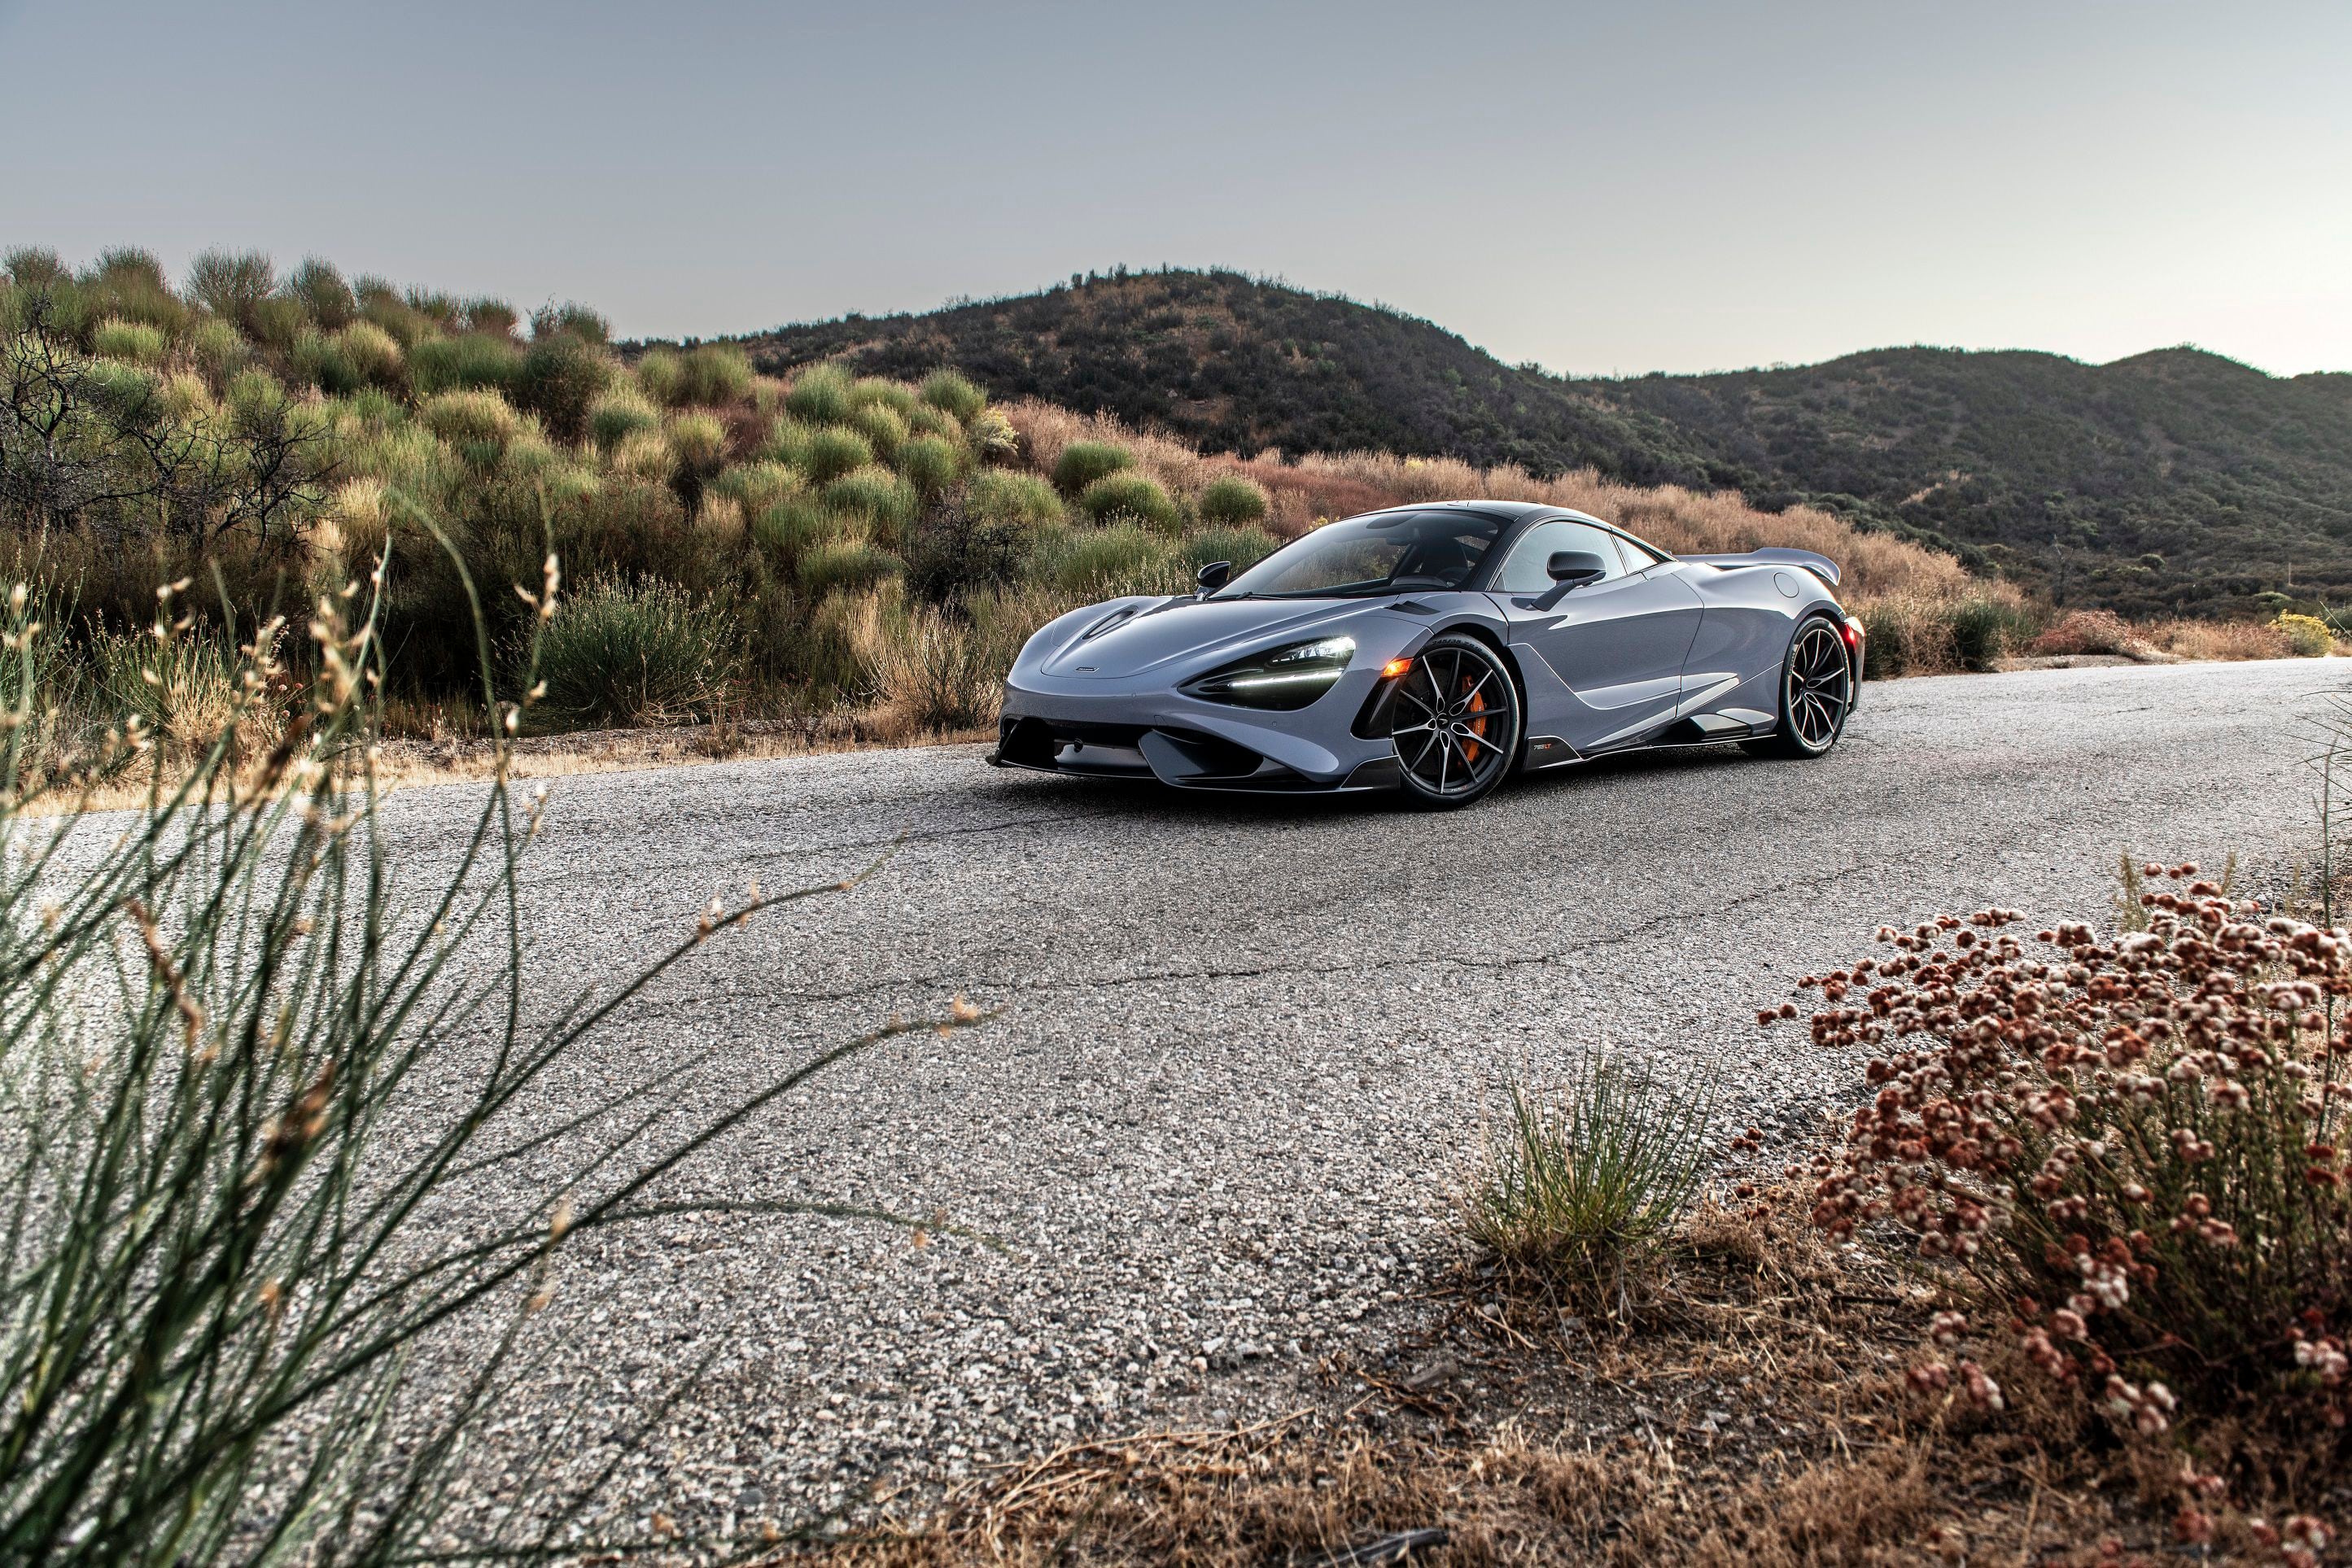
column 1816, row 692
column 1455, row 723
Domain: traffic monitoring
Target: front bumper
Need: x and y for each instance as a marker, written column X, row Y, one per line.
column 1076, row 727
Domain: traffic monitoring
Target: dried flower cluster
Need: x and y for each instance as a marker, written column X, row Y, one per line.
column 2132, row 1142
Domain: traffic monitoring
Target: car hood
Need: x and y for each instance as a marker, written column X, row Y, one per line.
column 1155, row 635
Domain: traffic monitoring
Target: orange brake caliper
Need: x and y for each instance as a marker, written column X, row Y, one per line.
column 1477, row 728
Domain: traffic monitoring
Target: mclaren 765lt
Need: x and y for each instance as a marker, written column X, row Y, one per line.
column 1435, row 650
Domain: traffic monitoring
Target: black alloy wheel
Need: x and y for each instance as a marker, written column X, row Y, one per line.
column 1455, row 723
column 1816, row 692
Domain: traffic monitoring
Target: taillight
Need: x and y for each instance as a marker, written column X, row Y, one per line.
column 1853, row 630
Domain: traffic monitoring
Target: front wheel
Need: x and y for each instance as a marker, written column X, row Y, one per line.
column 1455, row 723
column 1816, row 694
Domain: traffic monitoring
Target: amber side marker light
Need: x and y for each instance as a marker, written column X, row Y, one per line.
column 1852, row 634
column 1395, row 668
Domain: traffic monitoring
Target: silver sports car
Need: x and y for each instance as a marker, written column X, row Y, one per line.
column 1435, row 649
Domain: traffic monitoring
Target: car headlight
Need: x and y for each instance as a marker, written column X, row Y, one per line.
column 1287, row 677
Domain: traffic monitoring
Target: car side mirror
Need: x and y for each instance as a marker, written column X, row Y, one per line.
column 1214, row 576
column 1570, row 567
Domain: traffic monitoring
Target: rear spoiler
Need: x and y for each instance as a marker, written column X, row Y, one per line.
column 1821, row 566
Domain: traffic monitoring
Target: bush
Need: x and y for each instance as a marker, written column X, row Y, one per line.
column 826, row 455
column 661, row 376
column 641, row 653
column 455, row 364
column 2307, row 637
column 371, row 353
column 1020, row 500
column 621, row 412
column 1231, row 500
column 1104, row 563
column 787, row 529
column 697, row 447
column 876, row 493
column 954, row 394
column 2088, row 631
column 937, row 672
column 1987, row 626
column 954, row 551
column 562, row 377
column 1132, row 498
column 2132, row 1143
column 929, row 463
column 1082, row 463
column 820, row 395
column 231, row 286
column 1905, row 635
column 218, row 349
column 133, row 342
column 1244, row 548
column 845, row 566
column 470, row 418
column 1581, row 1188
column 324, row 294
column 884, row 429
column 184, row 688
column 877, row 391
column 756, row 487
column 712, row 376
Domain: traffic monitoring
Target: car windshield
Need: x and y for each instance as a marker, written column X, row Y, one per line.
column 1385, row 552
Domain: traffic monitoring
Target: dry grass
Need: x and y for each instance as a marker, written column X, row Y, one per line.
column 1321, row 485
column 1757, row 1416
column 2216, row 639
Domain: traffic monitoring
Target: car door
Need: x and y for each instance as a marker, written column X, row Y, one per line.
column 1615, row 645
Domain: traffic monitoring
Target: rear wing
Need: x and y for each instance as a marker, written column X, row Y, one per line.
column 1821, row 566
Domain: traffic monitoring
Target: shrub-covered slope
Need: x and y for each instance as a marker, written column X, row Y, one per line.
column 2173, row 481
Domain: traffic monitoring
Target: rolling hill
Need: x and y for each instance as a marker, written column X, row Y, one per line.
column 2175, row 481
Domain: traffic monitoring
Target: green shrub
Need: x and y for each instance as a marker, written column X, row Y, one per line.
column 324, row 294
column 562, row 376
column 820, row 395
column 845, row 566
column 493, row 317
column 756, row 487
column 573, row 317
column 371, row 353
column 1021, row 500
column 1988, row 626
column 277, row 322
column 1082, row 463
column 699, row 440
column 637, row 654
column 828, row 454
column 218, row 349
column 1580, row 1187
column 876, row 492
column 1103, row 563
column 922, row 419
column 661, row 376
column 468, row 420
column 836, row 654
column 931, row 462
column 878, row 392
column 319, row 361
column 1904, row 635
column 621, row 412
column 709, row 376
column 133, row 342
column 231, row 284
column 454, row 364
column 1243, row 548
column 129, row 285
column 1134, row 497
column 954, row 394
column 883, row 428
column 2307, row 637
column 788, row 528
column 1231, row 500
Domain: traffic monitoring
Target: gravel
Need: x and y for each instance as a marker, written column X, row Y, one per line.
column 1244, row 1051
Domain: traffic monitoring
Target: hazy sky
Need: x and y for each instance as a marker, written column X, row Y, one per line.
column 1619, row 187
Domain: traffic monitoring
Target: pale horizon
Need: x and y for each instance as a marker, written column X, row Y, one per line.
column 1701, row 187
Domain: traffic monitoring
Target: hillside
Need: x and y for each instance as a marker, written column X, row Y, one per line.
column 2172, row 481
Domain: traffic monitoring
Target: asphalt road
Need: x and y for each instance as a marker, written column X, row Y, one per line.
column 1246, row 1042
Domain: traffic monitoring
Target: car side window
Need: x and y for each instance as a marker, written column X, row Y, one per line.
column 1639, row 556
column 1528, row 570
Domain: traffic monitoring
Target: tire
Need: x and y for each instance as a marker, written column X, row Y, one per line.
column 1456, row 722
column 1816, row 692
